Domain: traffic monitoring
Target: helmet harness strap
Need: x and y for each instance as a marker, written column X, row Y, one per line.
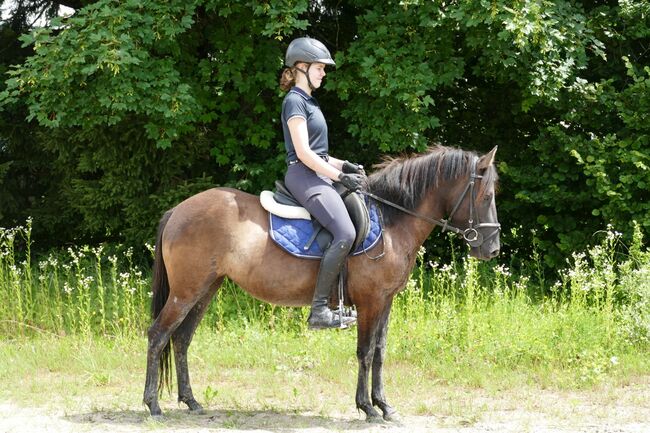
column 311, row 86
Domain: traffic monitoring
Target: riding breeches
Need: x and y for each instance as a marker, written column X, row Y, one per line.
column 316, row 194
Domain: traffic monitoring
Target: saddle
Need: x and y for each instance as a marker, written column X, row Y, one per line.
column 283, row 204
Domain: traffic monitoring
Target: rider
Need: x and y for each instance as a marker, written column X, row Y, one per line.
column 311, row 170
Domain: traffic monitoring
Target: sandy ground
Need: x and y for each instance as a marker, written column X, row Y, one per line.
column 621, row 410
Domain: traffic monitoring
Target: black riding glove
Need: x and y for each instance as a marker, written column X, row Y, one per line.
column 349, row 167
column 353, row 181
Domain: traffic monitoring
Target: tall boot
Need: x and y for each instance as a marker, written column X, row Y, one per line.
column 321, row 316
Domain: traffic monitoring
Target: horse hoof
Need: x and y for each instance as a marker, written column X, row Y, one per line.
column 374, row 419
column 392, row 416
column 154, row 410
column 195, row 407
column 199, row 411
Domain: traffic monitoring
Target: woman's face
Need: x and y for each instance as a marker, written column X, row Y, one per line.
column 316, row 73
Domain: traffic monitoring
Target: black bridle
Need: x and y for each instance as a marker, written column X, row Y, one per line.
column 471, row 234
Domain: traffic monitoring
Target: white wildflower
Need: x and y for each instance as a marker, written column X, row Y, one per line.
column 503, row 270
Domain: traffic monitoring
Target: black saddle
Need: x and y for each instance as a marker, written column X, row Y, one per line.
column 354, row 203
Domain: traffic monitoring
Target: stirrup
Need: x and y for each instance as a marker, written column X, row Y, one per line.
column 347, row 312
column 333, row 321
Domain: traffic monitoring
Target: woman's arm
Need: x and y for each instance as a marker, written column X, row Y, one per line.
column 336, row 163
column 300, row 137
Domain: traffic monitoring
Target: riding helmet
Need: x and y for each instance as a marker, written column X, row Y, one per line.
column 307, row 50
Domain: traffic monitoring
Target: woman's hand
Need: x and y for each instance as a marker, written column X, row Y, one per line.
column 349, row 167
column 353, row 181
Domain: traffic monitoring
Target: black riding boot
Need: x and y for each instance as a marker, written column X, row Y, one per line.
column 330, row 267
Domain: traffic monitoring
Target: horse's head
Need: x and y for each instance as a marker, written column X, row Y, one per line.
column 474, row 211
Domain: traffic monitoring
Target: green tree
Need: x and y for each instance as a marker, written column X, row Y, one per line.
column 148, row 101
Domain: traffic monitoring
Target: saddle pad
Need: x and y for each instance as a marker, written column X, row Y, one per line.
column 293, row 234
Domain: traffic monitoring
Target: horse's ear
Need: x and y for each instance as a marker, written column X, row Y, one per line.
column 488, row 159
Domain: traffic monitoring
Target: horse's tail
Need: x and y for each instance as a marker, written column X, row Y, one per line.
column 160, row 292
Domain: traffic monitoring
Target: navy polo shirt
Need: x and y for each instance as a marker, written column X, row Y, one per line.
column 298, row 103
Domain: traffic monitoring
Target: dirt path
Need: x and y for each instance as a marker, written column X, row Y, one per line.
column 621, row 410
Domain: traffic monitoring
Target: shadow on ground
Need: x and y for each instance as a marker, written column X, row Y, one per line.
column 235, row 419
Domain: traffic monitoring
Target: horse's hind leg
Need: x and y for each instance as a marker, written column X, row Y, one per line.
column 159, row 333
column 181, row 339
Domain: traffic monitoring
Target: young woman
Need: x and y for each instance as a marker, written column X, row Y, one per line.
column 311, row 170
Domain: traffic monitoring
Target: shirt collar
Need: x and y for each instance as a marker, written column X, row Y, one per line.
column 302, row 93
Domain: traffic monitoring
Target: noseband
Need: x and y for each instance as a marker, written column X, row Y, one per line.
column 471, row 234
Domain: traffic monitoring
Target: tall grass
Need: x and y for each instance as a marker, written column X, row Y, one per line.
column 463, row 322
column 80, row 291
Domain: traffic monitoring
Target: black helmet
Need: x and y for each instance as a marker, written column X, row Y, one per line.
column 307, row 50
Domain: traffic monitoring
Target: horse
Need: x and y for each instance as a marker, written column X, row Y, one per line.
column 224, row 232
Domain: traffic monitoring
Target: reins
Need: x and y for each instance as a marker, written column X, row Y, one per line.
column 442, row 223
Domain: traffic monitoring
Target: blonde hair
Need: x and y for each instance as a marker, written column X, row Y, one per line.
column 288, row 79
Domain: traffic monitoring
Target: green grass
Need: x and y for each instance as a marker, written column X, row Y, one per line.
column 77, row 320
column 252, row 369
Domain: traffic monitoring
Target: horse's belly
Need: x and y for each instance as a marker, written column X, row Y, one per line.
column 270, row 274
column 273, row 290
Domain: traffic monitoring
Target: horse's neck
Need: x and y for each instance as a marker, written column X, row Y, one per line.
column 413, row 231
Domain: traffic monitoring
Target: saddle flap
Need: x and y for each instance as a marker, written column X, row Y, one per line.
column 358, row 211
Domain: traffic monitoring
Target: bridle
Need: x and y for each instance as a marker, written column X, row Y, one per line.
column 471, row 234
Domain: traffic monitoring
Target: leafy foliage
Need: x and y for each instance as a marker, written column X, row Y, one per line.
column 151, row 101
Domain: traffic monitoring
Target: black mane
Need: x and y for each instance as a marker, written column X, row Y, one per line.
column 406, row 180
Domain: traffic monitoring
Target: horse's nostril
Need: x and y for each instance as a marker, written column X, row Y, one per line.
column 494, row 253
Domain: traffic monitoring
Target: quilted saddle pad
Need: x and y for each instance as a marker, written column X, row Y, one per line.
column 293, row 235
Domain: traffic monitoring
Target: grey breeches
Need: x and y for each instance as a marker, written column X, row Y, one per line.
column 317, row 195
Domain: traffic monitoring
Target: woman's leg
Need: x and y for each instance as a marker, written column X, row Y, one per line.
column 321, row 200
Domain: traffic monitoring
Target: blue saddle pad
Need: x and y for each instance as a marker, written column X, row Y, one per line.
column 293, row 234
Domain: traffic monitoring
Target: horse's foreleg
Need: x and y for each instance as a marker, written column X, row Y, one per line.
column 367, row 324
column 181, row 339
column 378, row 397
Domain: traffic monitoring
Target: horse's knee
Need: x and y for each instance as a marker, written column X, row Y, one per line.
column 365, row 358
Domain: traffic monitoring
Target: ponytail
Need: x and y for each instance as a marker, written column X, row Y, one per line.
column 287, row 79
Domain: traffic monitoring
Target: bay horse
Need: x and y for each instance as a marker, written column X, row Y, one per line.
column 224, row 232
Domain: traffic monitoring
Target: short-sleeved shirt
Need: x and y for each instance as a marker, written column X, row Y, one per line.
column 298, row 103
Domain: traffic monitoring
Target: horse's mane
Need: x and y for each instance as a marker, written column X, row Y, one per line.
column 406, row 180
